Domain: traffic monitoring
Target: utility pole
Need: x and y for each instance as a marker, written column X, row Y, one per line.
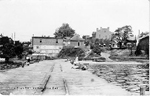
column 14, row 36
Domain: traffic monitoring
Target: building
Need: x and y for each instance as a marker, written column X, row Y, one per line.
column 102, row 33
column 47, row 45
column 143, row 44
column 86, row 36
column 75, row 41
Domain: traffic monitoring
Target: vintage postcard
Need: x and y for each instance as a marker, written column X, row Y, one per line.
column 74, row 47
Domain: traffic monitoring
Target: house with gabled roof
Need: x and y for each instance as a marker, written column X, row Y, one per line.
column 75, row 41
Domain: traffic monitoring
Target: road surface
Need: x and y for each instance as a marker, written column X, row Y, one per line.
column 56, row 77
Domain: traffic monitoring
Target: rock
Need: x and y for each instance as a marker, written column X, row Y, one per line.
column 121, row 74
column 118, row 84
column 121, row 81
column 136, row 80
column 132, row 83
column 100, row 59
column 92, row 80
column 94, row 72
column 125, row 87
column 145, row 81
column 109, row 73
column 134, row 89
column 99, row 75
column 83, row 67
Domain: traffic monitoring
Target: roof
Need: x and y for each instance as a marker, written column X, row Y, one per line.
column 144, row 36
column 76, row 37
column 46, row 37
column 67, row 38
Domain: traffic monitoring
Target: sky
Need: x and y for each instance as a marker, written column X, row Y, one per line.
column 26, row 18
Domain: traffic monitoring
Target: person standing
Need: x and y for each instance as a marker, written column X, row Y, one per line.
column 28, row 60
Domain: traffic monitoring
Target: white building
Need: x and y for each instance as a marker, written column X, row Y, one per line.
column 47, row 45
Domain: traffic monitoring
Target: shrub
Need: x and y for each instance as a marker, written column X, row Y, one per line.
column 69, row 51
column 91, row 56
column 96, row 49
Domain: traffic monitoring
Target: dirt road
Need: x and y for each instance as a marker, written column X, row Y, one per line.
column 32, row 77
column 56, row 77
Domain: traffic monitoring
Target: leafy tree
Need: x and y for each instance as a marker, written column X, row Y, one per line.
column 8, row 51
column 118, row 35
column 84, row 37
column 18, row 49
column 127, row 32
column 64, row 31
column 86, row 40
column 96, row 47
column 26, row 49
column 87, row 43
column 122, row 34
column 96, row 41
column 107, row 42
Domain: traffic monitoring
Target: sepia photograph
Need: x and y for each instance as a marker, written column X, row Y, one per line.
column 74, row 47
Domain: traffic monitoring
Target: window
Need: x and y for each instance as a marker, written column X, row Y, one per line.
column 56, row 40
column 78, row 43
column 40, row 41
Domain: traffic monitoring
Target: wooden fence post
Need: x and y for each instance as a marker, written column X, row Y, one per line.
column 142, row 91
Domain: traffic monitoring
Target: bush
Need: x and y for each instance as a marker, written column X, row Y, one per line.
column 96, row 49
column 100, row 59
column 91, row 56
column 69, row 51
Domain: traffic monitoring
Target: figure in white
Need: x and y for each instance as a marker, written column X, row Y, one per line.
column 76, row 61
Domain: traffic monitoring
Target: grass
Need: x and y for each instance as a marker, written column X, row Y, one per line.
column 124, row 55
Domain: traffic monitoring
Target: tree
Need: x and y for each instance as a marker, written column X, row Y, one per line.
column 122, row 34
column 118, row 36
column 96, row 47
column 64, row 31
column 84, row 37
column 107, row 42
column 6, row 48
column 127, row 32
column 8, row 51
column 18, row 49
column 96, row 41
column 87, row 43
